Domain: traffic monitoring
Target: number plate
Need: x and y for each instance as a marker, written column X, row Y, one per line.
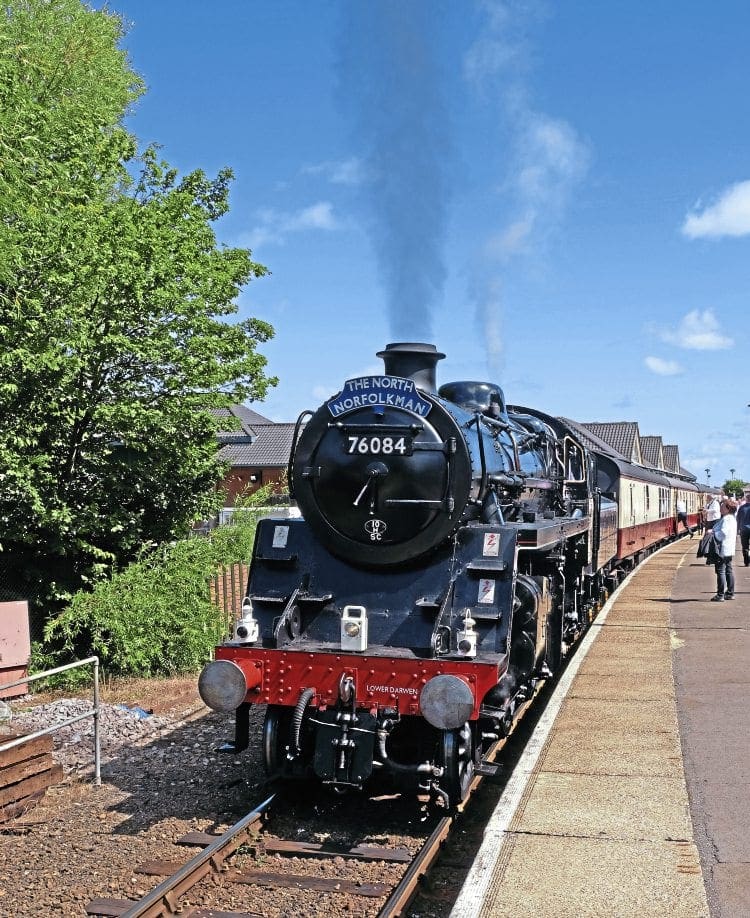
column 378, row 445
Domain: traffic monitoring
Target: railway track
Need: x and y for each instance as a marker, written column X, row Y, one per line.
column 206, row 885
column 223, row 860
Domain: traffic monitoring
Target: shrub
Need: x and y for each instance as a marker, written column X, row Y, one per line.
column 155, row 617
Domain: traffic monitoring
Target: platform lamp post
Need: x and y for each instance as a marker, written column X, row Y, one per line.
column 731, row 474
column 708, row 476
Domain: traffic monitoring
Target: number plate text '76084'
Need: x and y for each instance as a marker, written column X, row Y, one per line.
column 377, row 445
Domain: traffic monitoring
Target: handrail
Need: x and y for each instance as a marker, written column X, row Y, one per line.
column 94, row 712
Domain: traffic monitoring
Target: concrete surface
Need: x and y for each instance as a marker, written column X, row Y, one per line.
column 603, row 826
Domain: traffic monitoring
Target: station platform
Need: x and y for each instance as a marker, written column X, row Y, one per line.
column 633, row 795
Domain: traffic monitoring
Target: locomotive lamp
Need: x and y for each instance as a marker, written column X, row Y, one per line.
column 446, row 702
column 466, row 639
column 246, row 630
column 354, row 628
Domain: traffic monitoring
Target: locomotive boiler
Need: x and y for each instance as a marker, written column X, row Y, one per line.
column 449, row 552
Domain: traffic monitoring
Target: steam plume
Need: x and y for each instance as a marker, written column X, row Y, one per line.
column 391, row 83
column 547, row 159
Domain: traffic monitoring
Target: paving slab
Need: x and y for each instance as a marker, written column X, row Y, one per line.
column 733, row 884
column 626, row 687
column 553, row 877
column 712, row 683
column 603, row 827
column 611, row 663
column 632, row 638
column 726, row 815
column 632, row 716
column 614, row 806
column 610, row 751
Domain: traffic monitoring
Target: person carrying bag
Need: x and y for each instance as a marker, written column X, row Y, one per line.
column 708, row 547
column 725, row 533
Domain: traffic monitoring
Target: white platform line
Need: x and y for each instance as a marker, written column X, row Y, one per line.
column 472, row 896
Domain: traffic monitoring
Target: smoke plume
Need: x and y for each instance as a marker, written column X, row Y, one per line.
column 393, row 88
column 547, row 159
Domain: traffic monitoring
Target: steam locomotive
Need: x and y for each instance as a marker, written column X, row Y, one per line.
column 450, row 552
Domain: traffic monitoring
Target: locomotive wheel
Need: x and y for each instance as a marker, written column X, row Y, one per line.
column 277, row 729
column 457, row 759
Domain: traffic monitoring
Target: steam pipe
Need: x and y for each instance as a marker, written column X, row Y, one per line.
column 423, row 768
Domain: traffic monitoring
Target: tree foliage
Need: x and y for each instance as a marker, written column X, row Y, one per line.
column 116, row 307
column 735, row 487
column 155, row 617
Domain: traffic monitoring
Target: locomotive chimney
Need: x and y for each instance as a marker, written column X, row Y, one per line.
column 414, row 361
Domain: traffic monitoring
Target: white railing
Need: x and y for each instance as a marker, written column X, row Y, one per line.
column 94, row 712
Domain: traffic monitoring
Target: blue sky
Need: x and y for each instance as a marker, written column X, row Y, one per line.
column 556, row 195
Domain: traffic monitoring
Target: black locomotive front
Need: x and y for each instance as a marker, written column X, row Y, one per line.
column 396, row 627
column 387, row 469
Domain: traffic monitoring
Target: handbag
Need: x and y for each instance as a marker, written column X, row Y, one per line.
column 709, row 548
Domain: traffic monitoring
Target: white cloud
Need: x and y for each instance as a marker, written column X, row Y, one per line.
column 663, row 367
column 728, row 216
column 275, row 226
column 548, row 158
column 698, row 331
column 512, row 240
column 319, row 216
column 504, row 45
column 339, row 172
column 553, row 159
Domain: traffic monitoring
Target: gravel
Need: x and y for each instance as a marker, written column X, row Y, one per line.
column 119, row 726
column 162, row 777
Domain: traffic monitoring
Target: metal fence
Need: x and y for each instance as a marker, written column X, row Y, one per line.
column 94, row 712
column 11, row 589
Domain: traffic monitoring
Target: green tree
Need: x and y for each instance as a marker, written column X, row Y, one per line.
column 735, row 487
column 116, row 307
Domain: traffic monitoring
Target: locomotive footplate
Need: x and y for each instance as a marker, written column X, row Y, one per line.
column 344, row 746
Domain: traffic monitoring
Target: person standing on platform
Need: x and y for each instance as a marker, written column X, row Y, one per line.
column 725, row 533
column 712, row 512
column 681, row 508
column 743, row 527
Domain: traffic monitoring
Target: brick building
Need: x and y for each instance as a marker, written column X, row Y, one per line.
column 257, row 450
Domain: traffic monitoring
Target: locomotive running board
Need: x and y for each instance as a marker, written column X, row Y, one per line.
column 546, row 533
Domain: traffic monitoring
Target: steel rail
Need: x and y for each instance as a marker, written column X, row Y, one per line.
column 404, row 892
column 163, row 899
